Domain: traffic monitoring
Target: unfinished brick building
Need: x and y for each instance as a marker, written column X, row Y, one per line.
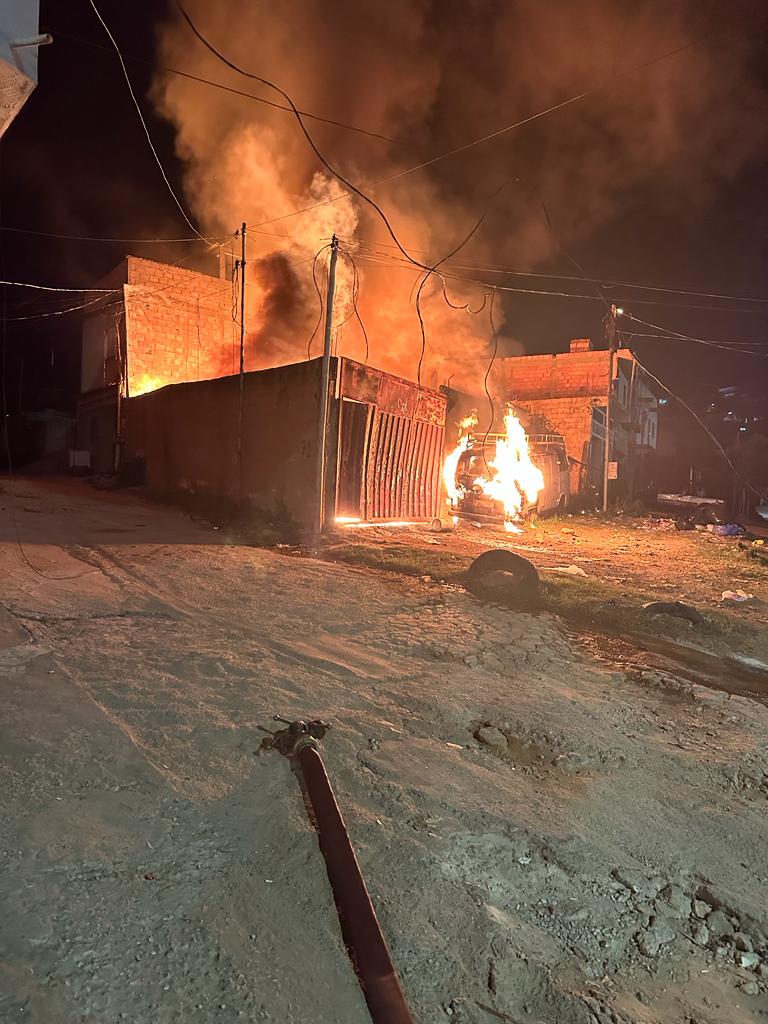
column 567, row 393
column 163, row 325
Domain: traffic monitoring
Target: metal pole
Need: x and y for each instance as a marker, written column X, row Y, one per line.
column 325, row 375
column 242, row 364
column 611, row 330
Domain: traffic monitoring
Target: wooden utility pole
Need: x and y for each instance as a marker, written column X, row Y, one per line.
column 611, row 334
column 241, row 264
column 325, row 375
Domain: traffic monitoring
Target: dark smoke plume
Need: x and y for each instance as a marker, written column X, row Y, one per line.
column 435, row 74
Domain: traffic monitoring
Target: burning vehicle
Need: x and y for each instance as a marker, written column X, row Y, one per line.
column 504, row 477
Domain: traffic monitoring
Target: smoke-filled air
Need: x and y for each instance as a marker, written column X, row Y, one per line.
column 433, row 75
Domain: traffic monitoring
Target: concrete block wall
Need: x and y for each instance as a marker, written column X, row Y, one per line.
column 571, row 417
column 520, row 378
column 178, row 326
column 187, row 437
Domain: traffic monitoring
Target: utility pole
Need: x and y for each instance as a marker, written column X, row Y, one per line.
column 611, row 336
column 325, row 375
column 241, row 264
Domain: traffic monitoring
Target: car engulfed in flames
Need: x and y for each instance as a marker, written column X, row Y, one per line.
column 503, row 477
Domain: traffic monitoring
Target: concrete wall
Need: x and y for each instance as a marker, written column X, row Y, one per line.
column 179, row 326
column 187, row 436
column 571, row 417
column 551, row 376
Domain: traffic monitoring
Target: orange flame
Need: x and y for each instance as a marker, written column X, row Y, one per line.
column 451, row 463
column 145, row 383
column 511, row 478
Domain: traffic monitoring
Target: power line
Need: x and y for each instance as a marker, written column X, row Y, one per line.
column 91, row 238
column 607, row 284
column 698, row 419
column 144, row 123
column 432, row 269
column 240, row 92
column 668, row 334
column 319, row 297
column 355, row 294
column 399, row 264
column 477, row 142
column 51, row 288
column 337, row 174
column 556, row 106
column 6, row 431
column 728, row 346
column 55, row 312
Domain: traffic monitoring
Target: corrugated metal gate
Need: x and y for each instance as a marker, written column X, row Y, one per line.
column 402, row 459
column 390, row 446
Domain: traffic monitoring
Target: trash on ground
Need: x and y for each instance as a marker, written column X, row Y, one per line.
column 726, row 529
column 657, row 524
column 568, row 570
column 682, row 611
column 737, row 596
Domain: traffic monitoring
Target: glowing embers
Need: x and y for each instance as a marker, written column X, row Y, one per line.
column 359, row 524
column 497, row 475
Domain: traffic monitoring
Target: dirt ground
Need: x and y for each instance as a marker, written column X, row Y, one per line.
column 548, row 834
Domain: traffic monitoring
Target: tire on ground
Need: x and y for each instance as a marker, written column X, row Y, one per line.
column 502, row 573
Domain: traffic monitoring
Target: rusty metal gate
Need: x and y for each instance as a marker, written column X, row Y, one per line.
column 402, row 468
column 390, row 446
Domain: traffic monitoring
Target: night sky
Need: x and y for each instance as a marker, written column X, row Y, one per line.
column 76, row 161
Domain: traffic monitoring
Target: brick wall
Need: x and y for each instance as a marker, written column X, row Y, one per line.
column 178, row 326
column 562, row 374
column 571, row 417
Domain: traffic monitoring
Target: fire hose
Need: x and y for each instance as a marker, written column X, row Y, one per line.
column 360, row 927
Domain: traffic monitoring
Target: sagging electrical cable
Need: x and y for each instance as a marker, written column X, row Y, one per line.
column 432, row 269
column 319, row 299
column 158, row 161
column 387, row 261
column 508, row 128
column 236, row 92
column 372, row 246
column 6, row 432
column 355, row 296
column 701, row 423
column 727, row 346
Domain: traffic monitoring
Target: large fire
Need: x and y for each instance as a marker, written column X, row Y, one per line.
column 508, row 476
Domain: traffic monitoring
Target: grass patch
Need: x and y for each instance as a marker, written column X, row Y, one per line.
column 411, row 561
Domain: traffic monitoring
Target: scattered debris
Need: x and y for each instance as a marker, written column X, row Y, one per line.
column 658, row 934
column 682, row 611
column 736, row 596
column 655, row 524
column 568, row 570
column 726, row 529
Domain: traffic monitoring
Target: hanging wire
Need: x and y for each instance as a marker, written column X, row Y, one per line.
column 355, row 296
column 319, row 298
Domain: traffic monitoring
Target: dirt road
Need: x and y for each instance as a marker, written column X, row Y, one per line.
column 545, row 838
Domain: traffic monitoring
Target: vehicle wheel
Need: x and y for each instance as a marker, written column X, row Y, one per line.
column 500, row 570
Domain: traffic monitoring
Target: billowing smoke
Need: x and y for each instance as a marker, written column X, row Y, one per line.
column 433, row 75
